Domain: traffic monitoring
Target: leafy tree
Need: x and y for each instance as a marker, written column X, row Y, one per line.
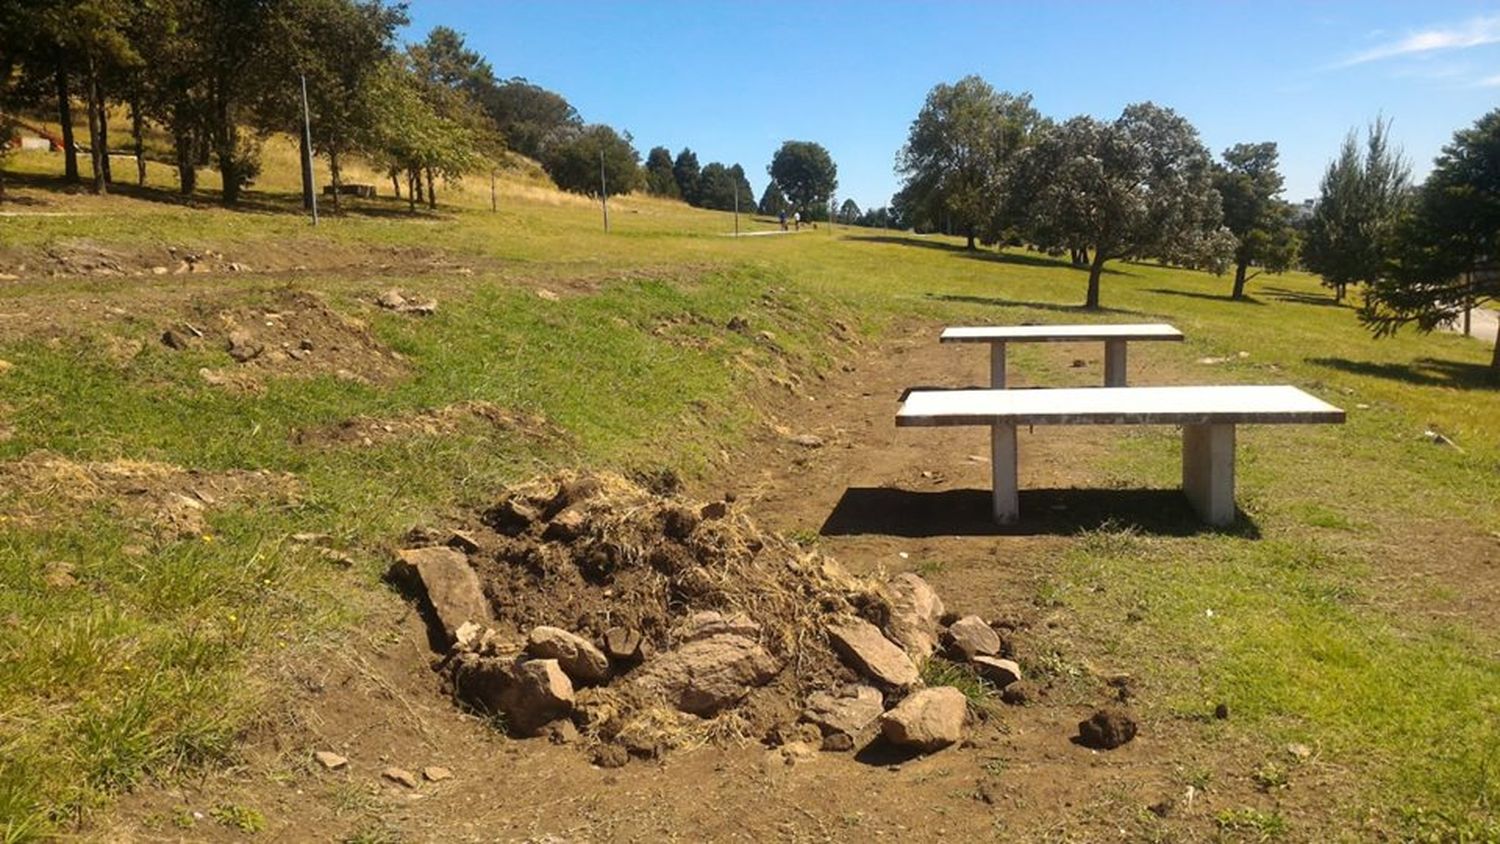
column 660, row 180
column 1446, row 254
column 957, row 148
column 1141, row 186
column 772, row 201
column 715, row 187
column 575, row 164
column 1249, row 184
column 1362, row 196
column 849, row 212
column 412, row 138
column 742, row 188
column 807, row 175
column 450, row 78
column 530, row 118
column 687, row 174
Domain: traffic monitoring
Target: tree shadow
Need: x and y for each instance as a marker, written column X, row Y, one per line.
column 1282, row 294
column 1056, row 307
column 884, row 511
column 991, row 255
column 1427, row 372
column 1212, row 297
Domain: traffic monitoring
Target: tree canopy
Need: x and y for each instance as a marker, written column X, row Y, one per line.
column 807, row 176
column 1361, row 197
column 1249, row 184
column 575, row 164
column 660, row 180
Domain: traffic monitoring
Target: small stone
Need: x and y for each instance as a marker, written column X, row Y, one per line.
column 547, row 295
column 330, row 760
column 1001, row 673
column 714, row 510
column 511, row 517
column 391, row 299
column 808, row 440
column 1301, row 752
column 867, row 650
column 563, row 731
column 436, row 773
column 927, row 720
column 578, row 656
column 611, row 756
column 738, row 324
column 158, row 270
column 400, row 776
column 539, row 693
column 679, row 522
column 463, row 541
column 970, row 637
column 468, row 635
column 622, row 644
column 172, row 340
column 565, row 526
column 242, row 346
column 1221, row 712
column 838, row 742
column 1020, row 693
column 849, row 710
column 1106, row 729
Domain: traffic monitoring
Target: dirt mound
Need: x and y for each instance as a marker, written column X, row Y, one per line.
column 637, row 621
column 365, row 430
column 296, row 334
column 169, row 500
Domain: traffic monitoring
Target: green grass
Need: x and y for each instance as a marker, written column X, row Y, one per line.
column 148, row 666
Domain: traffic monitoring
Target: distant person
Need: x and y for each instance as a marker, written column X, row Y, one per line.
column 783, row 219
column 797, row 220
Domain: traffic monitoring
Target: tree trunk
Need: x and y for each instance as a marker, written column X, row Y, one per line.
column 65, row 119
column 187, row 172
column 1495, row 359
column 969, row 233
column 1095, row 270
column 395, row 184
column 1239, row 280
column 95, row 150
column 411, row 192
column 336, row 178
column 431, row 191
column 306, row 161
column 414, row 184
column 103, row 106
column 1338, row 292
column 136, row 133
column 225, row 136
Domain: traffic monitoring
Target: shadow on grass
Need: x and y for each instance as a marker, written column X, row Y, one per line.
column 881, row 511
column 1212, row 297
column 991, row 255
column 1281, row 294
column 1429, row 372
column 997, row 302
column 250, row 202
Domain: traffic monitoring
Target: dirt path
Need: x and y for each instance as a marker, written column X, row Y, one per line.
column 1483, row 325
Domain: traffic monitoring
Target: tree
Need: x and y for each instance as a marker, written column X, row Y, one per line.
column 957, row 148
column 1446, row 251
column 451, row 77
column 687, row 174
column 659, row 178
column 1361, row 198
column 530, row 118
column 1141, row 186
column 575, row 164
column 745, row 193
column 1249, row 185
column 772, row 201
column 849, row 212
column 807, row 175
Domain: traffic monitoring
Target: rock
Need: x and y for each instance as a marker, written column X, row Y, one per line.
column 436, row 773
column 569, row 493
column 243, row 346
column 330, row 760
column 928, row 720
column 467, row 636
column 1301, row 752
column 838, row 742
column 158, row 270
column 538, row 693
column 867, row 650
column 714, row 510
column 611, row 756
column 1020, row 693
column 701, row 625
column 679, row 522
column 463, row 541
column 578, row 656
column 707, row 675
column 1001, row 673
column 848, row 710
column 970, row 636
column 512, row 517
column 622, row 644
column 391, row 300
column 738, row 324
column 1221, row 712
column 565, row 526
column 547, row 295
column 1106, row 729
column 401, row 776
column 172, row 340
column 450, row 584
column 563, row 731
column 915, row 611
column 807, row 440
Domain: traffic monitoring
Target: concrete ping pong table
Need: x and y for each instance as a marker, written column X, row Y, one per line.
column 1208, row 416
column 1114, row 336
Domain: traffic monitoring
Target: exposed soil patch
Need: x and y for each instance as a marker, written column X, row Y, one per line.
column 165, row 500
column 364, row 430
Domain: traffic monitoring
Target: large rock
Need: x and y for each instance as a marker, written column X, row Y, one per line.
column 538, row 693
column 970, row 636
column 848, row 710
column 707, row 675
column 450, row 584
column 1106, row 729
column 867, row 650
column 578, row 656
column 702, row 625
column 1001, row 673
column 915, row 610
column 928, row 720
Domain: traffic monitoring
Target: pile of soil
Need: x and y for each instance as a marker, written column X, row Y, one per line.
column 593, row 608
column 164, row 499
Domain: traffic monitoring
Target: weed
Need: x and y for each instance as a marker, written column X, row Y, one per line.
column 242, row 818
column 1270, row 776
column 1263, row 826
column 982, row 697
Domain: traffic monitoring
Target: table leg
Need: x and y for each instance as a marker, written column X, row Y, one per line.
column 997, row 366
column 1114, row 363
column 1208, row 471
column 1003, row 473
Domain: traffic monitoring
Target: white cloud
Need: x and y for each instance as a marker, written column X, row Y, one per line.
column 1474, row 32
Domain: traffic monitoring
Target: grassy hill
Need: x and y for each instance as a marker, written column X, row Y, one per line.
column 145, row 638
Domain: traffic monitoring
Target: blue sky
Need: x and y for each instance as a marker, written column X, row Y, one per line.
column 733, row 80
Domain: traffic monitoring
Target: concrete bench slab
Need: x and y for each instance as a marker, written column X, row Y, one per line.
column 1115, row 337
column 1207, row 415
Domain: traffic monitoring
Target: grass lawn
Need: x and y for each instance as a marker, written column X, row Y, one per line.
column 157, row 648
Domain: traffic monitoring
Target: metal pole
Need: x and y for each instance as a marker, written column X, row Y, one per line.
column 603, row 191
column 736, row 210
column 493, row 206
column 307, row 135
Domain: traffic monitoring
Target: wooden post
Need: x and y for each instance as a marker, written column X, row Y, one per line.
column 307, row 135
column 736, row 210
column 493, row 205
column 603, row 192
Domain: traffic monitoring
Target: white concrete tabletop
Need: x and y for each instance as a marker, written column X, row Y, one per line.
column 1116, row 406
column 1059, row 333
